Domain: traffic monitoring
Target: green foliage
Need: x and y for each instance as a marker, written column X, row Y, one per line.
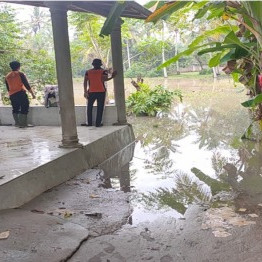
column 206, row 71
column 139, row 69
column 87, row 44
column 239, row 46
column 31, row 44
column 39, row 68
column 149, row 101
column 9, row 44
column 253, row 102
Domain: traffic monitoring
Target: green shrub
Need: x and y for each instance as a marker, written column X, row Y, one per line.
column 136, row 70
column 207, row 71
column 149, row 101
column 139, row 69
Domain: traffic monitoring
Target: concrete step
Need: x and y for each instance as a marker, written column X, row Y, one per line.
column 31, row 161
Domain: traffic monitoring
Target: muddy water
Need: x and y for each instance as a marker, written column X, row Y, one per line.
column 195, row 154
column 180, row 82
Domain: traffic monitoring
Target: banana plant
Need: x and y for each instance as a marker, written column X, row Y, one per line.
column 112, row 18
column 236, row 42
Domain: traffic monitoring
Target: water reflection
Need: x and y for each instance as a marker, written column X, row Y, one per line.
column 187, row 156
column 193, row 155
column 116, row 169
column 187, row 191
column 245, row 176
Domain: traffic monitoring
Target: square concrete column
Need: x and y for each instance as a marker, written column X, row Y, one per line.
column 64, row 74
column 119, row 87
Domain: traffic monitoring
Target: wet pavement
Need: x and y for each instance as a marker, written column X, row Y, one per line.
column 171, row 240
column 22, row 150
column 54, row 225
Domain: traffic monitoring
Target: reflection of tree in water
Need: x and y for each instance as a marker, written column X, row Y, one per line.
column 157, row 132
column 156, row 137
column 215, row 185
column 218, row 162
column 160, row 161
column 187, row 191
column 207, row 124
column 245, row 175
column 214, row 127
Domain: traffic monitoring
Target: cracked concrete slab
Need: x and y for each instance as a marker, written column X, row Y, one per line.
column 52, row 226
column 84, row 201
column 38, row 237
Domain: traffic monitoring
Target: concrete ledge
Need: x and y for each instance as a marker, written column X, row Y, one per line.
column 42, row 116
column 27, row 186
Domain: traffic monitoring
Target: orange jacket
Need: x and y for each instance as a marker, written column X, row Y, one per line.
column 14, row 82
column 95, row 79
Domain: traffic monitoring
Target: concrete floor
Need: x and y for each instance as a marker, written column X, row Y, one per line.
column 54, row 225
column 31, row 158
column 22, row 150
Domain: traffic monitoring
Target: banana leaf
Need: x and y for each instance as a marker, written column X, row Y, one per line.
column 166, row 10
column 215, row 185
column 225, row 29
column 187, row 52
column 215, row 61
column 217, row 11
column 201, row 12
column 234, row 54
column 112, row 18
column 156, row 4
column 231, row 38
column 216, row 49
column 227, row 57
column 253, row 102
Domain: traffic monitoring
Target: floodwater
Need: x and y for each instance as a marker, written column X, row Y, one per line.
column 195, row 154
column 182, row 82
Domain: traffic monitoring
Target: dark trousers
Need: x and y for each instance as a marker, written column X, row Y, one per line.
column 100, row 97
column 20, row 102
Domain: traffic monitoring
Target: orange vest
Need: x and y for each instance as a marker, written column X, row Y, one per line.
column 14, row 82
column 95, row 78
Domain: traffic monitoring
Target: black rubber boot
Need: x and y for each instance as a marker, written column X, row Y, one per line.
column 23, row 121
column 16, row 118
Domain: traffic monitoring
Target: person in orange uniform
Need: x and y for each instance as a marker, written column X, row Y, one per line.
column 17, row 84
column 94, row 79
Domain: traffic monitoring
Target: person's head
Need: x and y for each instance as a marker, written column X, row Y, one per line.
column 15, row 65
column 97, row 63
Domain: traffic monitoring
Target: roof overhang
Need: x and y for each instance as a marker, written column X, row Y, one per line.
column 132, row 8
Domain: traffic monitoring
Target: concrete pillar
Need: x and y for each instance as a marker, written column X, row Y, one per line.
column 64, row 75
column 124, row 178
column 119, row 87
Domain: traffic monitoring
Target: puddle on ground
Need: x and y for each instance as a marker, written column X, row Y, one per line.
column 195, row 155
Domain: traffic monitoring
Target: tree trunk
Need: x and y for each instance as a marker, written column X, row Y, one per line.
column 163, row 48
column 199, row 61
column 107, row 57
column 214, row 72
column 176, row 50
column 217, row 70
column 128, row 54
